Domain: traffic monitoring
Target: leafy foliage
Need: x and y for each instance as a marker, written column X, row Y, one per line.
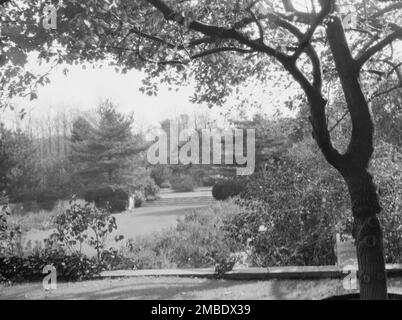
column 18, row 164
column 160, row 173
column 290, row 211
column 108, row 198
column 10, row 236
column 387, row 166
column 227, row 188
column 182, row 183
column 73, row 267
column 197, row 241
column 83, row 224
column 147, row 186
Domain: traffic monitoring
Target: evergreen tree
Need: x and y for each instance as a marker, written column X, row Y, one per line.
column 103, row 153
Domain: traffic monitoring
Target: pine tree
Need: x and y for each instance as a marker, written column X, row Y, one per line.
column 103, row 153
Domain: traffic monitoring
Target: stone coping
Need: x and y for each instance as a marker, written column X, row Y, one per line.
column 309, row 272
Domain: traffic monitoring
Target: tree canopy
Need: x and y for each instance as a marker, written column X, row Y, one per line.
column 220, row 45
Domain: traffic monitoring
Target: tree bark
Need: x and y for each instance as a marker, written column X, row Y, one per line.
column 367, row 233
column 353, row 167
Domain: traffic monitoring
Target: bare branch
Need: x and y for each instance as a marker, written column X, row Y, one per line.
column 378, row 47
column 378, row 94
column 392, row 7
column 317, row 72
column 339, row 121
column 307, row 36
column 215, row 31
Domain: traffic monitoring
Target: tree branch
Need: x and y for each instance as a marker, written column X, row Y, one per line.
column 378, row 47
column 258, row 23
column 292, row 13
column 392, row 7
column 307, row 36
column 215, row 31
column 195, row 56
column 317, row 72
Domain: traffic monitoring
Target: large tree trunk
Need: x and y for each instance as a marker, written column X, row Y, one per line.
column 353, row 167
column 368, row 234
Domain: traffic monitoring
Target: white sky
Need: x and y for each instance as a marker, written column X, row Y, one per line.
column 84, row 89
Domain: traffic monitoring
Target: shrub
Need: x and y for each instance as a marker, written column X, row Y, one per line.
column 182, row 183
column 77, row 225
column 290, row 211
column 114, row 199
column 112, row 259
column 197, row 241
column 139, row 198
column 160, row 173
column 146, row 186
column 47, row 199
column 226, row 189
column 280, row 237
column 150, row 189
column 29, row 268
column 83, row 224
column 166, row 185
column 388, row 176
column 10, row 236
column 208, row 181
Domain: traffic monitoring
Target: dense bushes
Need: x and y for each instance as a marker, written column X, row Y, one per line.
column 147, row 187
column 197, row 241
column 70, row 267
column 182, row 183
column 160, row 173
column 78, row 225
column 388, row 176
column 291, row 211
column 227, row 188
column 47, row 199
column 208, row 181
column 115, row 199
column 139, row 198
column 282, row 238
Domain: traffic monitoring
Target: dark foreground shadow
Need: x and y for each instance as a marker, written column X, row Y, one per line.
column 356, row 296
column 162, row 290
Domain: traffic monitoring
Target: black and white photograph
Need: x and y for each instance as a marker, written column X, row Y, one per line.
column 202, row 156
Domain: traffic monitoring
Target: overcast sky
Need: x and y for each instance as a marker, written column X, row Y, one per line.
column 84, row 89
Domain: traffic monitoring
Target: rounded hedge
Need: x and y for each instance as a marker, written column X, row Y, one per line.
column 116, row 200
column 226, row 189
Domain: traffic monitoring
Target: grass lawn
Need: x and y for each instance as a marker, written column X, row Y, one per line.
column 171, row 288
column 130, row 224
